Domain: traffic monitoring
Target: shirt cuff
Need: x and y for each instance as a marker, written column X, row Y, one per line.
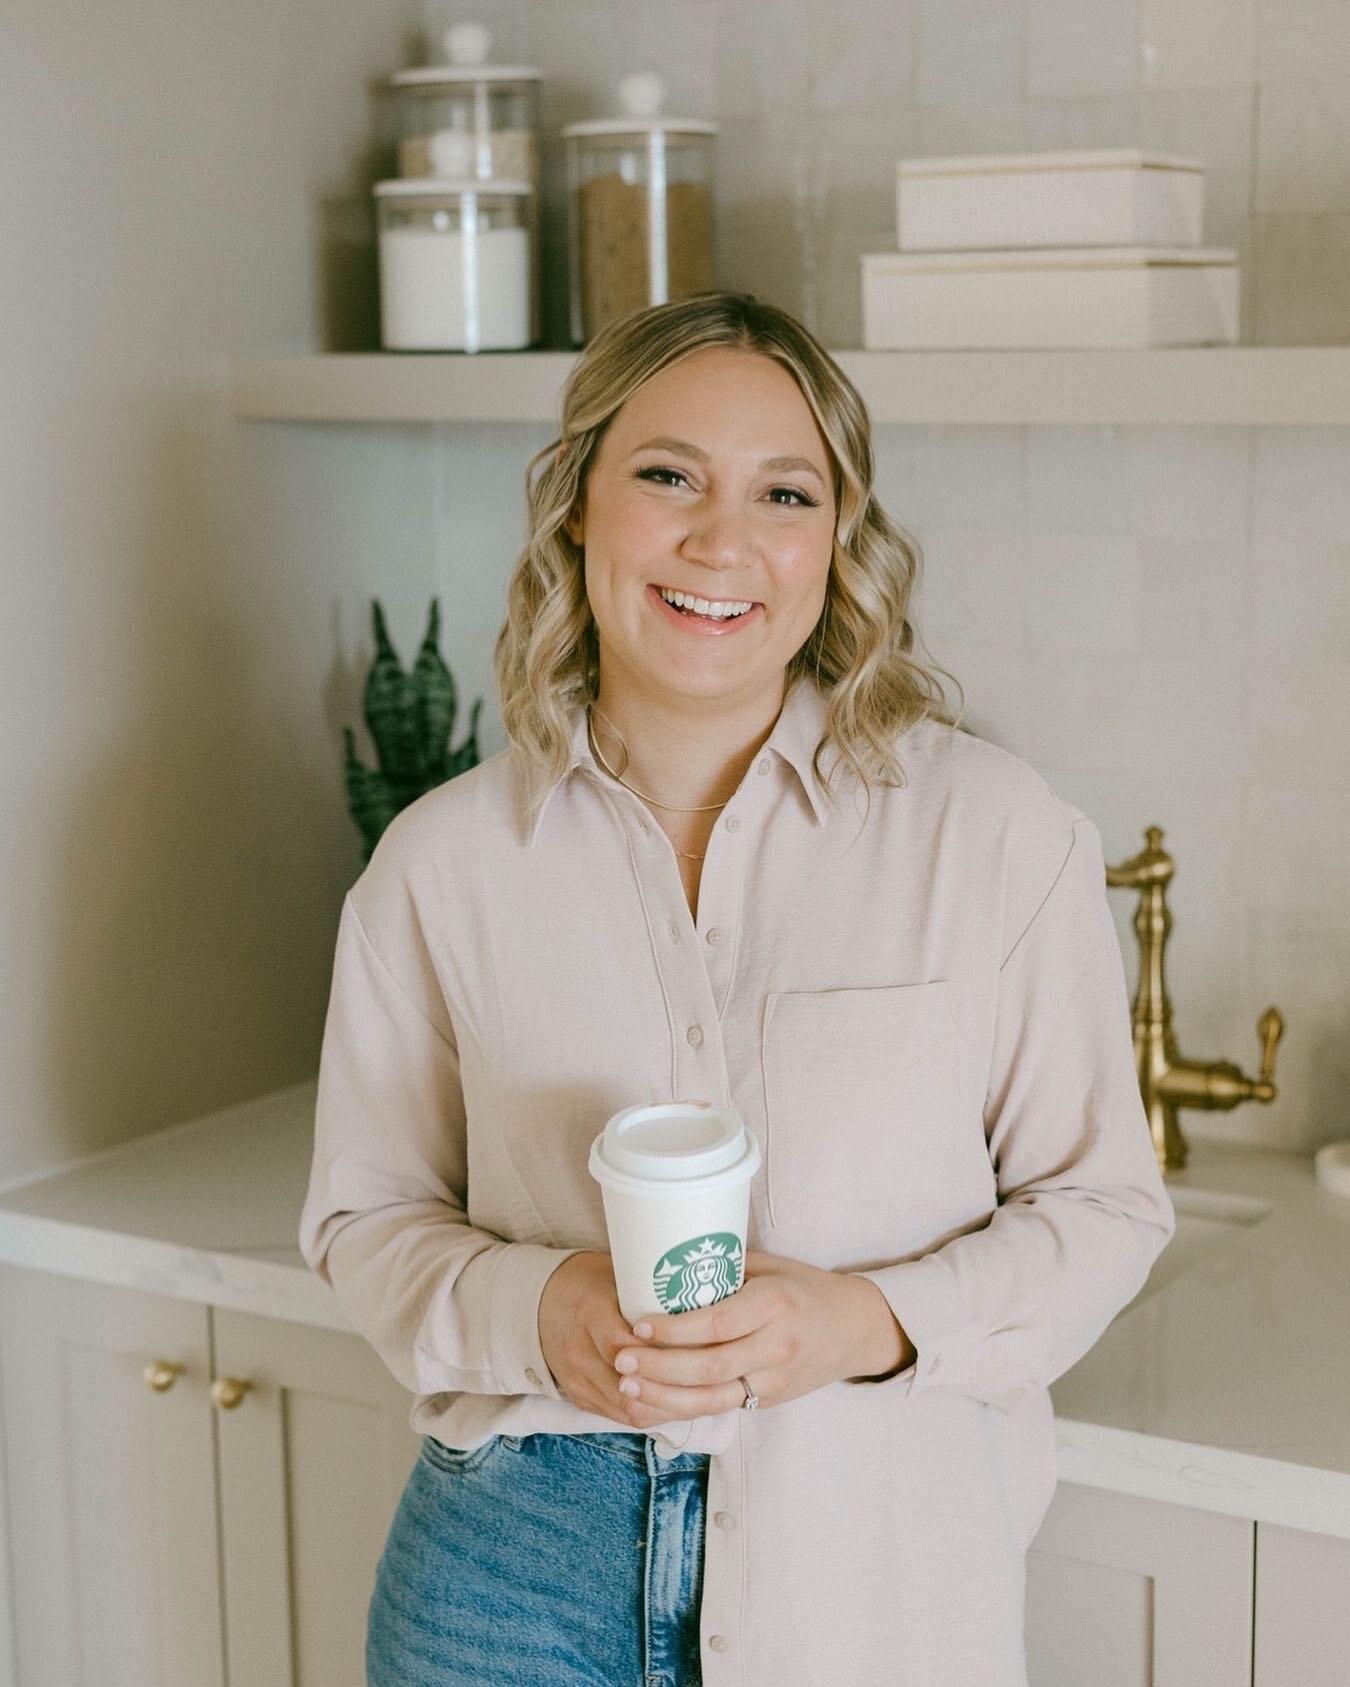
column 930, row 1313
column 516, row 1354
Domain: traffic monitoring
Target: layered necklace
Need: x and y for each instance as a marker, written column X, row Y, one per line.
column 676, row 808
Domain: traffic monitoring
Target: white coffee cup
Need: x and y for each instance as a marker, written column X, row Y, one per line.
column 675, row 1177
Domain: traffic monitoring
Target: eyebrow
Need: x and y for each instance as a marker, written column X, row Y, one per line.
column 662, row 443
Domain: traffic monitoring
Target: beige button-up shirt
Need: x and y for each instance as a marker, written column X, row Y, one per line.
column 921, row 1015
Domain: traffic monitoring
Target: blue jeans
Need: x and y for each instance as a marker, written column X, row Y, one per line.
column 542, row 1561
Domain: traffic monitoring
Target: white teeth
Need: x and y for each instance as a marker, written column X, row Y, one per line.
column 703, row 606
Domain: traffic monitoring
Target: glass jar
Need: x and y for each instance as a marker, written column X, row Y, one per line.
column 640, row 209
column 467, row 118
column 458, row 265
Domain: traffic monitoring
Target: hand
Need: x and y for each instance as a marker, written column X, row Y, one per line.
column 581, row 1331
column 790, row 1328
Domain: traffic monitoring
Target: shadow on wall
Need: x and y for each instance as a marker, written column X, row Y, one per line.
column 347, row 274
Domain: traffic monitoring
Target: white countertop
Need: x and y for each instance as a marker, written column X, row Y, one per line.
column 1227, row 1389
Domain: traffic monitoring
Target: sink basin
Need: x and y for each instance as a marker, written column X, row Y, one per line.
column 1206, row 1220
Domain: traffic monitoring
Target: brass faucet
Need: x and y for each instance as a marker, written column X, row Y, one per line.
column 1166, row 1081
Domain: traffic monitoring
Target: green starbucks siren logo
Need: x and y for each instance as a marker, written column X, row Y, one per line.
column 700, row 1271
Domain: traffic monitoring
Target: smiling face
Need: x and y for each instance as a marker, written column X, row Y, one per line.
column 712, row 479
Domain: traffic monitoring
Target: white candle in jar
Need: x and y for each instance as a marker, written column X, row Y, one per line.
column 443, row 290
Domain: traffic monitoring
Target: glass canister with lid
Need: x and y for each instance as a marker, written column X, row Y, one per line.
column 458, row 265
column 467, row 117
column 640, row 208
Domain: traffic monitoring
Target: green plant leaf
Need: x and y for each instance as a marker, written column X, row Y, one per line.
column 434, row 702
column 410, row 719
column 369, row 798
column 388, row 706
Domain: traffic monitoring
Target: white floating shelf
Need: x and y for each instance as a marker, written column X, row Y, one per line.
column 1253, row 386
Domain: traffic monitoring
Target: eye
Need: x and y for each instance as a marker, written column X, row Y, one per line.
column 646, row 474
column 804, row 501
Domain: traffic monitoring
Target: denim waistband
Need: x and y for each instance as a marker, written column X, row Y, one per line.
column 633, row 1444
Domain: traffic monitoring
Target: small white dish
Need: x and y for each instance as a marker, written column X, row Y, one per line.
column 1331, row 1164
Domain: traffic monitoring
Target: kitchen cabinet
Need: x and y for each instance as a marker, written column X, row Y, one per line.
column 1302, row 1609
column 1124, row 1591
column 111, row 1486
column 162, row 1537
column 196, row 1532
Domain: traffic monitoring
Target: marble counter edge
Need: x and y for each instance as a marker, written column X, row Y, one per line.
column 240, row 1281
column 1206, row 1478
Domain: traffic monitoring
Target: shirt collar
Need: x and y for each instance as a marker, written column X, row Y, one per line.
column 795, row 735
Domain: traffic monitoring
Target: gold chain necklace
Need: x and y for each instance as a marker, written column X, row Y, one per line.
column 698, row 808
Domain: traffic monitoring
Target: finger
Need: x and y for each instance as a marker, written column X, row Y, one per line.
column 634, row 1415
column 689, row 1367
column 733, row 1316
column 609, row 1339
column 672, row 1402
column 643, row 1419
column 604, row 1382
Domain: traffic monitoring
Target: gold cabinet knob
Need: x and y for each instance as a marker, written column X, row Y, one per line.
column 227, row 1392
column 161, row 1374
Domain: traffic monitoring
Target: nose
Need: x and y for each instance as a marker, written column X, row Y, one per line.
column 717, row 536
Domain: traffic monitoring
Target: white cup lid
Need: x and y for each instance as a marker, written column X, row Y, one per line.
column 672, row 1140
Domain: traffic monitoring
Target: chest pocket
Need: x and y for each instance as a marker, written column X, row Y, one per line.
column 859, row 1101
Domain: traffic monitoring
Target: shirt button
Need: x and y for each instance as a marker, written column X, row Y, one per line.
column 532, row 1377
column 715, row 934
column 718, row 1643
column 733, row 822
column 764, row 764
column 695, row 1035
column 723, row 1519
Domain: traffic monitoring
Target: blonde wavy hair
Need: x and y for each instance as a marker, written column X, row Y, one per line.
column 861, row 650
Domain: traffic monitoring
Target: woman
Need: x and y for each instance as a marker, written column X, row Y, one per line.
column 658, row 891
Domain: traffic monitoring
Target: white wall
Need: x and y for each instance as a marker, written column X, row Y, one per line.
column 183, row 599
column 1156, row 618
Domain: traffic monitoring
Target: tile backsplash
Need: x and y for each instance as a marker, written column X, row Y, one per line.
column 1157, row 618
column 1147, row 615
column 816, row 103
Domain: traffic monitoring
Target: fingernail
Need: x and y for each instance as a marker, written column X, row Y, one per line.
column 628, row 1386
column 626, row 1362
column 644, row 1330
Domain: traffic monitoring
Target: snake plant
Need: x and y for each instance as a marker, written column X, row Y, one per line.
column 410, row 718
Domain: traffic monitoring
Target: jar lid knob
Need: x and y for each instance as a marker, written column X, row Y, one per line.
column 467, row 43
column 642, row 94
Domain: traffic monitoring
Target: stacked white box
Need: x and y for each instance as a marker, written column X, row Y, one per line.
column 1018, row 199
column 1118, row 296
column 1052, row 249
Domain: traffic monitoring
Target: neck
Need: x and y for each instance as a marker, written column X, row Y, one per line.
column 677, row 752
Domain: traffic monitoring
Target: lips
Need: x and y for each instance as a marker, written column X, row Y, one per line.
column 702, row 626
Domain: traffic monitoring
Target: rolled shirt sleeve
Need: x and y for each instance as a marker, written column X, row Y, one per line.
column 998, row 1313
column 445, row 1305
